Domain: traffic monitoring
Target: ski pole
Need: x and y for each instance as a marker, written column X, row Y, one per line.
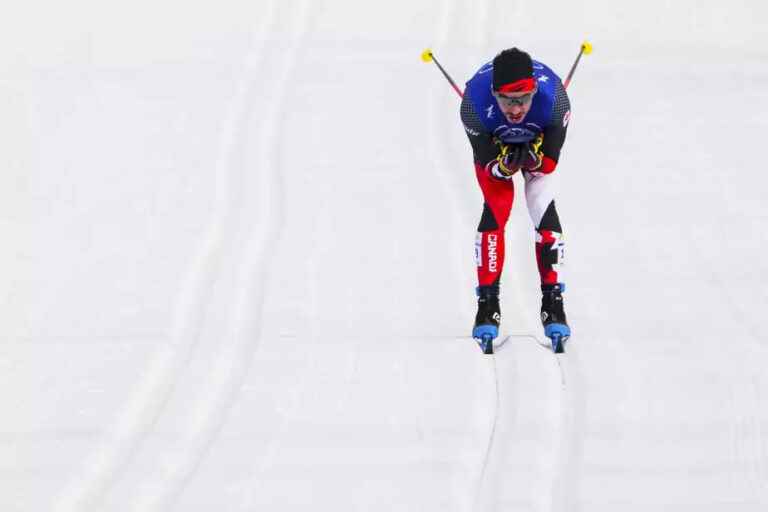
column 428, row 56
column 586, row 49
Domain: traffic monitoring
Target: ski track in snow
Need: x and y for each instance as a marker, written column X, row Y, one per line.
column 243, row 333
column 147, row 404
column 230, row 369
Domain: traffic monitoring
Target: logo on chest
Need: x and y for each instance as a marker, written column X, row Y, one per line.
column 515, row 133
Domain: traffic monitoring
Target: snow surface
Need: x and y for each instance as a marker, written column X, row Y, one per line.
column 238, row 261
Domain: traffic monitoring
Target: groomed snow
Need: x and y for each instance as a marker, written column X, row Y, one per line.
column 238, row 261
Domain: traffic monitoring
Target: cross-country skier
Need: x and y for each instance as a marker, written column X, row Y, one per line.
column 515, row 111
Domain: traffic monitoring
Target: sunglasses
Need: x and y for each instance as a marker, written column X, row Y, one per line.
column 509, row 101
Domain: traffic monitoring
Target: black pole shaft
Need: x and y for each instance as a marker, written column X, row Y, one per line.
column 447, row 77
column 573, row 68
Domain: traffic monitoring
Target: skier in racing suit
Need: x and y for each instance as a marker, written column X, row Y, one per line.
column 515, row 111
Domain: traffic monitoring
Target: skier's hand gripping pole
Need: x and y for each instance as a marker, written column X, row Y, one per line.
column 428, row 56
column 586, row 49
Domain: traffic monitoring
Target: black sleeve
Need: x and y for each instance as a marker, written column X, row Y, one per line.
column 483, row 148
column 554, row 132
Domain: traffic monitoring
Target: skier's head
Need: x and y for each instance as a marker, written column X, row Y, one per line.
column 513, row 83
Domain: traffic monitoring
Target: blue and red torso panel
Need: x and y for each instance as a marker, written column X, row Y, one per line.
column 479, row 90
column 485, row 123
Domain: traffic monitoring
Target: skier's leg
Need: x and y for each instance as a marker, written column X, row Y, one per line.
column 549, row 247
column 539, row 193
column 489, row 253
column 489, row 243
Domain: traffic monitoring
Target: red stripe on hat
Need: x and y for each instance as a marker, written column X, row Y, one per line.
column 523, row 85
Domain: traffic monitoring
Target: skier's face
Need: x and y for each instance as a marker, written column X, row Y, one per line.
column 515, row 105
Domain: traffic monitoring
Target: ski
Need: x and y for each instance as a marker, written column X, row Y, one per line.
column 490, row 345
column 486, row 343
column 558, row 334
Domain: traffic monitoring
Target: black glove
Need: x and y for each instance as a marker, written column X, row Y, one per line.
column 535, row 155
column 513, row 157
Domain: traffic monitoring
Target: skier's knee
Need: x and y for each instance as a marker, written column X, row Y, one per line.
column 487, row 220
column 550, row 220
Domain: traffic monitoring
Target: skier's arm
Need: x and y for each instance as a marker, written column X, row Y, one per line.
column 554, row 132
column 483, row 147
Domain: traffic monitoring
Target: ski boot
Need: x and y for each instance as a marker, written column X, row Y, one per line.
column 488, row 317
column 553, row 316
